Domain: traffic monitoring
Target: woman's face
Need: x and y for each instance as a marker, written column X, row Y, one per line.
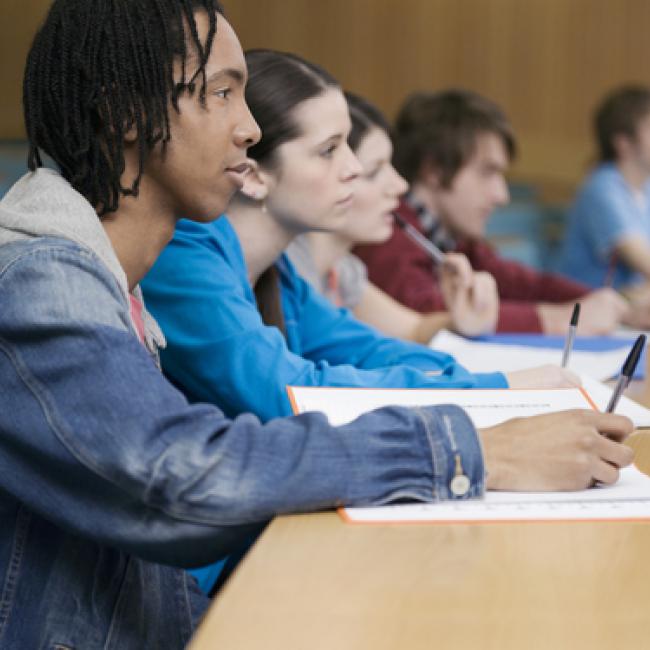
column 376, row 192
column 311, row 183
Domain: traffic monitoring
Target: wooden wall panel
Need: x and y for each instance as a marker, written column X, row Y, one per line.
column 19, row 20
column 547, row 61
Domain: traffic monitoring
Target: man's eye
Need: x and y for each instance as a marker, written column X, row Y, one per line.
column 223, row 93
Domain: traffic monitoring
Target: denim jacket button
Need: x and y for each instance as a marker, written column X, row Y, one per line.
column 459, row 485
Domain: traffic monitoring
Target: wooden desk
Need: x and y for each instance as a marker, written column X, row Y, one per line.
column 314, row 583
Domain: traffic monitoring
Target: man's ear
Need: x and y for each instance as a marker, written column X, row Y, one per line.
column 256, row 183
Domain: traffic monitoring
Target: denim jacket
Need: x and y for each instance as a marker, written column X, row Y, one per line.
column 110, row 480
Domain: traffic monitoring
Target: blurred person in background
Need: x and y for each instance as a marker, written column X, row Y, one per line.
column 454, row 147
column 324, row 258
column 608, row 234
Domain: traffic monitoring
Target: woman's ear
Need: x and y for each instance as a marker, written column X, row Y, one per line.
column 256, row 183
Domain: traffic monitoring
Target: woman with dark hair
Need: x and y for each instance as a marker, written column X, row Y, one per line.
column 240, row 324
column 324, row 258
column 109, row 478
column 220, row 348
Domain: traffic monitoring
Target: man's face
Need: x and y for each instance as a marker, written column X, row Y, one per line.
column 204, row 163
column 477, row 189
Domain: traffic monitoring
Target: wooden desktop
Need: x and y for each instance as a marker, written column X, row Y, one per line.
column 313, row 583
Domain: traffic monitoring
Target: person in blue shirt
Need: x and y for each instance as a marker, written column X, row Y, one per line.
column 109, row 479
column 240, row 324
column 240, row 347
column 325, row 260
column 607, row 241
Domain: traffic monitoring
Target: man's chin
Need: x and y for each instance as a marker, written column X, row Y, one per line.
column 207, row 219
column 209, row 212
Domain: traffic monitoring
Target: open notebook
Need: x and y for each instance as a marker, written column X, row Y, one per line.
column 629, row 499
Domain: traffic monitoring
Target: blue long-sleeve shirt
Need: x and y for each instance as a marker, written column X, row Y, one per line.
column 219, row 350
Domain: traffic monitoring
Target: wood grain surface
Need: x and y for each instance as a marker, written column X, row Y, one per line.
column 314, row 583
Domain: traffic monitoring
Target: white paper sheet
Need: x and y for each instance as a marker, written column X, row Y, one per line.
column 478, row 356
column 486, row 407
column 628, row 499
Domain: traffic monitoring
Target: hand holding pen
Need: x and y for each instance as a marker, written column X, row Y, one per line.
column 471, row 298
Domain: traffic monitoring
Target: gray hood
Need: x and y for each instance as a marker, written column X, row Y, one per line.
column 43, row 204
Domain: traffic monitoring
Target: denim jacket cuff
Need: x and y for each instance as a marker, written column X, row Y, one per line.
column 458, row 469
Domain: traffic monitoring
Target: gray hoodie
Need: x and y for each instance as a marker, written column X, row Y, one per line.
column 43, row 204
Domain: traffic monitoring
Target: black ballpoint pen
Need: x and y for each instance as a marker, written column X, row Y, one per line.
column 571, row 335
column 626, row 373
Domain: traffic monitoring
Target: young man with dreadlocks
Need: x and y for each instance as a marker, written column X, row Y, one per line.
column 109, row 478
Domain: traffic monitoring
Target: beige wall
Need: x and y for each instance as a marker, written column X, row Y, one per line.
column 18, row 22
column 546, row 61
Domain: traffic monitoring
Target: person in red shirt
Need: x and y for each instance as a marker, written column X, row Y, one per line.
column 454, row 148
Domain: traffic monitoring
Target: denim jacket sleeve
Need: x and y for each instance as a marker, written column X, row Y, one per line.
column 97, row 441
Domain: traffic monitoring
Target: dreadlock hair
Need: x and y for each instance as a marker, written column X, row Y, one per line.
column 98, row 69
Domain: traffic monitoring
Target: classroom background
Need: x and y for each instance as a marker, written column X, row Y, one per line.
column 547, row 62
